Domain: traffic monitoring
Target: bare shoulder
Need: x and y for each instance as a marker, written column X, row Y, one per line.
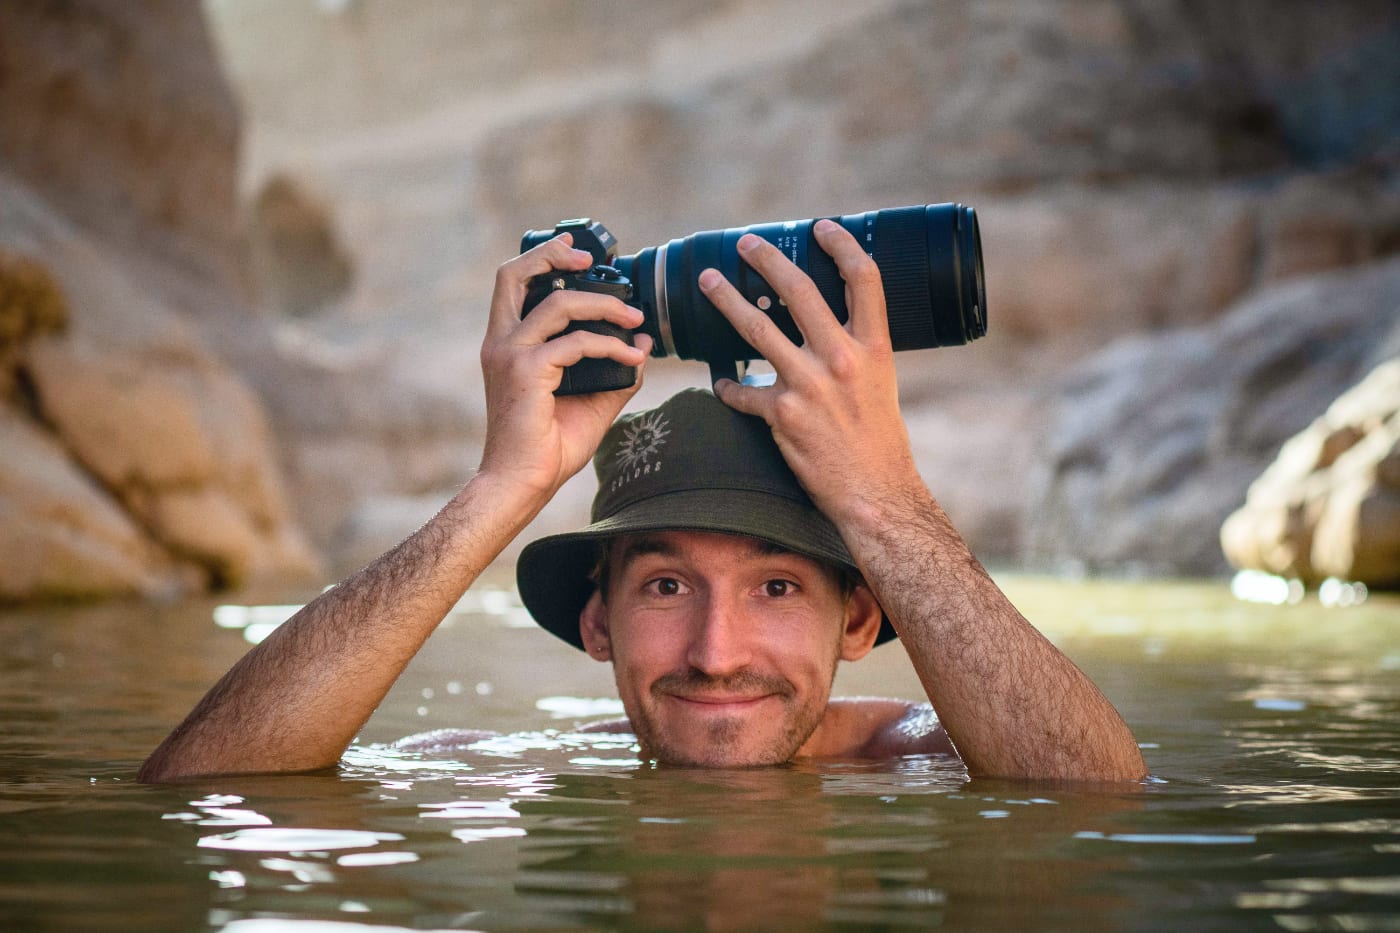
column 888, row 728
column 440, row 741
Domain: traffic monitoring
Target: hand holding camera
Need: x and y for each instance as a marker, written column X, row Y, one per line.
column 536, row 438
column 929, row 258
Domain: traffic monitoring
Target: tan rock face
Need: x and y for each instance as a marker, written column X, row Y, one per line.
column 61, row 534
column 132, row 460
column 122, row 116
column 136, row 462
column 1329, row 506
column 183, row 445
column 1138, row 167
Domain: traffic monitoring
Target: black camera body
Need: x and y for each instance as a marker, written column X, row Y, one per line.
column 588, row 375
column 929, row 256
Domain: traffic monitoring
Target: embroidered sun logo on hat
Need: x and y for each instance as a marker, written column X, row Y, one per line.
column 641, row 439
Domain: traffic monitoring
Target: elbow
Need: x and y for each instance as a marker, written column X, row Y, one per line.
column 155, row 771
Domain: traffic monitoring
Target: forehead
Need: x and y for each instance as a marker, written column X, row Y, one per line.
column 625, row 549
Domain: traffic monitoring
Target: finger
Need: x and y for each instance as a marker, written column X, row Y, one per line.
column 751, row 400
column 865, row 292
column 513, row 276
column 581, row 344
column 565, row 306
column 809, row 309
column 752, row 325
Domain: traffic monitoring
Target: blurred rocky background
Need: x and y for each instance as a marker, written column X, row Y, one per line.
column 246, row 250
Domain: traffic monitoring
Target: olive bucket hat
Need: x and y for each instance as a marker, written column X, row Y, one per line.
column 690, row 464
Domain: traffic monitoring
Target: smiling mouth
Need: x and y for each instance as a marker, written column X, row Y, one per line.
column 718, row 703
column 739, row 692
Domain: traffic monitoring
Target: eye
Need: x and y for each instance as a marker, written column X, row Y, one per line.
column 664, row 586
column 778, row 588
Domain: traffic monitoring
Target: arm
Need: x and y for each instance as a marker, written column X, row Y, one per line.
column 1011, row 702
column 296, row 700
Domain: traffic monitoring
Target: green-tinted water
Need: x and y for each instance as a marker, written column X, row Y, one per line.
column 1274, row 734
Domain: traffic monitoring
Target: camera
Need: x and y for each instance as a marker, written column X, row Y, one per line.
column 929, row 257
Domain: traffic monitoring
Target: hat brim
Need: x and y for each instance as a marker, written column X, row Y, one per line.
column 553, row 574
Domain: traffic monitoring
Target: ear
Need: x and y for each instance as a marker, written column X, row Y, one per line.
column 863, row 618
column 593, row 628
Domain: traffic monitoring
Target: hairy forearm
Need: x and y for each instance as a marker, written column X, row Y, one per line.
column 1012, row 703
column 296, row 701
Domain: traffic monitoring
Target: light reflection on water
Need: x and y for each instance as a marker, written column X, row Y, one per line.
column 1272, row 732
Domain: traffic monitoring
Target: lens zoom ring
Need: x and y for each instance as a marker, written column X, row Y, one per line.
column 901, row 254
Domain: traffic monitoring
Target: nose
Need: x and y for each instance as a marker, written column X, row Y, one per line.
column 720, row 642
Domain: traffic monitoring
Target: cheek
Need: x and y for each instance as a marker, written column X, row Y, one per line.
column 643, row 653
column 805, row 654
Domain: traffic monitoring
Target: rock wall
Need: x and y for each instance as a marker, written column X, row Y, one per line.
column 120, row 115
column 1139, row 167
column 1151, row 444
column 274, row 231
column 133, row 460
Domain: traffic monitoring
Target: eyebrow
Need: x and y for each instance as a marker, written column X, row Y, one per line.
column 643, row 545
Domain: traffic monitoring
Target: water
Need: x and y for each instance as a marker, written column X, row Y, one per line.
column 1273, row 734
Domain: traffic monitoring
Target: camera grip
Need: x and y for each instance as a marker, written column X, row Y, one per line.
column 597, row 375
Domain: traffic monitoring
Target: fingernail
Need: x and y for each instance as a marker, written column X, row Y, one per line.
column 710, row 278
column 748, row 241
column 825, row 225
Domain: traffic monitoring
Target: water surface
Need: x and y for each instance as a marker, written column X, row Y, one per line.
column 1271, row 733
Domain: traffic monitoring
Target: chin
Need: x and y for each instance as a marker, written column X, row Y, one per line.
column 704, row 758
column 721, row 745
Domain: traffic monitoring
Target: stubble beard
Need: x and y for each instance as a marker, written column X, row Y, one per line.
column 722, row 742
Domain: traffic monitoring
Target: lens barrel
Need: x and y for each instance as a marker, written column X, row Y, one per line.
column 929, row 257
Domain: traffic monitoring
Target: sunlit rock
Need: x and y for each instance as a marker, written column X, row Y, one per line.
column 1329, row 505
column 1156, row 439
column 61, row 534
column 183, row 444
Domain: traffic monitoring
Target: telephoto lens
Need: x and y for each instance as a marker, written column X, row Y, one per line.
column 929, row 257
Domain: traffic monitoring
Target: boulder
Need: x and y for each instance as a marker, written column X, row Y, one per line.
column 1329, row 505
column 183, row 444
column 1154, row 441
column 159, row 429
column 62, row 536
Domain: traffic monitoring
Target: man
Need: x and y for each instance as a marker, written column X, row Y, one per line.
column 725, row 620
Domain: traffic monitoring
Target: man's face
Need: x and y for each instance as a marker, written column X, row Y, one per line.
column 724, row 647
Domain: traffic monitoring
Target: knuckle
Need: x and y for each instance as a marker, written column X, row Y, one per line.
column 865, row 272
column 806, row 292
column 754, row 330
column 788, row 409
column 845, row 365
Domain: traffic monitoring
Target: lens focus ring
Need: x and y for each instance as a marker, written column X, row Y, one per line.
column 901, row 254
